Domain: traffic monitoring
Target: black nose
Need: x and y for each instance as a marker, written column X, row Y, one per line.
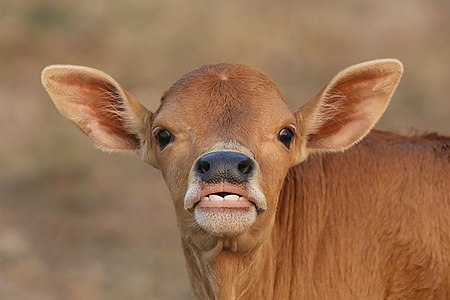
column 224, row 166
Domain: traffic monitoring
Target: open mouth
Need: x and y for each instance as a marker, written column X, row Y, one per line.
column 224, row 196
column 224, row 209
column 225, row 200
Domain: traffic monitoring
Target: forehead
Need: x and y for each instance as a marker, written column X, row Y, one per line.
column 224, row 97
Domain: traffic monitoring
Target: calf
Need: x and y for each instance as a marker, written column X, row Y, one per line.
column 258, row 220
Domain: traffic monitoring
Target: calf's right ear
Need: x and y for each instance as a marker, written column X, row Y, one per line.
column 99, row 106
column 344, row 111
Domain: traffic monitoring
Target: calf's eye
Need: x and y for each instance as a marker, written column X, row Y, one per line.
column 163, row 138
column 285, row 136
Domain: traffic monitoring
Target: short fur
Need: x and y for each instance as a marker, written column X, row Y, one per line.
column 370, row 223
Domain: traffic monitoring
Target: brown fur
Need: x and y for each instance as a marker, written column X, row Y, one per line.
column 343, row 231
column 370, row 223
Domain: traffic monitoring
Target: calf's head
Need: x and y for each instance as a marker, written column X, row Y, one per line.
column 223, row 136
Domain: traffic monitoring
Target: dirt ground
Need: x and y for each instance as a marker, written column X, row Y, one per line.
column 76, row 223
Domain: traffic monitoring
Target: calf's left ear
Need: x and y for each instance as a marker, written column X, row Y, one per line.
column 344, row 111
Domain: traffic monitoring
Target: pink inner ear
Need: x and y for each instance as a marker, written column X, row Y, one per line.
column 104, row 127
column 107, row 135
column 341, row 136
column 349, row 110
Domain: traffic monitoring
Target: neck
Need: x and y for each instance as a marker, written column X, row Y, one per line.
column 223, row 274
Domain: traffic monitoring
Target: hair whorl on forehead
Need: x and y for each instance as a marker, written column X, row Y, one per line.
column 224, row 78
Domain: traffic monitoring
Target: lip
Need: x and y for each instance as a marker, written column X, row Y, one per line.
column 225, row 204
column 209, row 189
column 204, row 202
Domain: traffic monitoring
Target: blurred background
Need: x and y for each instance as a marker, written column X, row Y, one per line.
column 79, row 224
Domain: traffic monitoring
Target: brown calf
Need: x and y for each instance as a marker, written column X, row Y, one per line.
column 370, row 223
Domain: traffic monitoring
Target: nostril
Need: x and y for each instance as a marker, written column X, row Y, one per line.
column 203, row 166
column 245, row 166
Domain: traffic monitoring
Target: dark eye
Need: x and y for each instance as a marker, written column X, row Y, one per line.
column 285, row 136
column 163, row 138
